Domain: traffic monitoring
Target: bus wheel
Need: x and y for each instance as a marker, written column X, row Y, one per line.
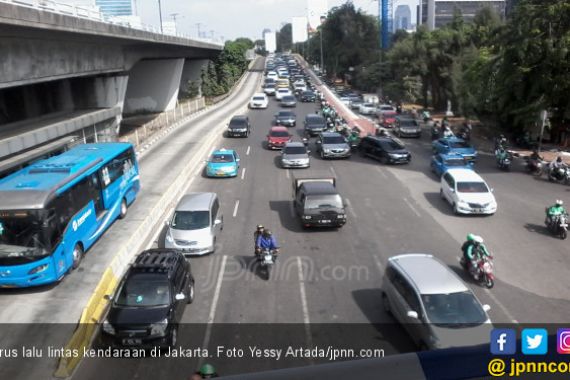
column 123, row 209
column 77, row 256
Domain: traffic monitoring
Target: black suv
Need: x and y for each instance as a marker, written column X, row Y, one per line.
column 385, row 149
column 150, row 301
column 314, row 124
column 239, row 126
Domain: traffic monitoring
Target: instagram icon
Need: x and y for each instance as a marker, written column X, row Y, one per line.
column 563, row 341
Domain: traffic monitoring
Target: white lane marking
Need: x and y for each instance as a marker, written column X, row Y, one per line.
column 248, row 149
column 243, row 173
column 287, row 174
column 501, row 306
column 236, row 208
column 212, row 314
column 378, row 264
column 306, row 319
column 333, row 172
column 412, row 207
column 379, row 170
column 350, row 209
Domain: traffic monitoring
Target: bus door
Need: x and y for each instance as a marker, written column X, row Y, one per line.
column 96, row 192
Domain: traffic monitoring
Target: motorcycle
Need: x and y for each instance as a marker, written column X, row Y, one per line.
column 535, row 167
column 465, row 134
column 266, row 260
column 483, row 271
column 504, row 160
column 434, row 133
column 561, row 175
column 558, row 226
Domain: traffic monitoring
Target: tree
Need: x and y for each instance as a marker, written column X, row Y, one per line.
column 285, row 38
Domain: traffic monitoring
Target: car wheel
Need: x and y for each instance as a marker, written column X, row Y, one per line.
column 322, row 155
column 455, row 209
column 384, row 160
column 441, row 194
column 191, row 293
column 173, row 338
column 123, row 211
column 77, row 256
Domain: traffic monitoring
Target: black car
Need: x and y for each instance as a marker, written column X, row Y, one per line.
column 286, row 118
column 150, row 301
column 239, row 126
column 314, row 124
column 308, row 97
column 385, row 149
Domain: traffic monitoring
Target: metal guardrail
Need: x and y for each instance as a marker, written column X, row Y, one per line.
column 92, row 14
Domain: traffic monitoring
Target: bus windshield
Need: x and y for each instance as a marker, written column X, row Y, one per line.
column 23, row 237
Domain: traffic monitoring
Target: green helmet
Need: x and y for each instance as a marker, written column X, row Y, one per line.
column 470, row 237
column 207, row 370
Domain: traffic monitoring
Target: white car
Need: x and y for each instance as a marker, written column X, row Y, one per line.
column 272, row 74
column 467, row 192
column 383, row 108
column 259, row 100
column 367, row 108
column 300, row 86
column 345, row 100
column 281, row 92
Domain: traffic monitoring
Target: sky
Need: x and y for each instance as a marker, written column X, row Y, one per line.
column 239, row 18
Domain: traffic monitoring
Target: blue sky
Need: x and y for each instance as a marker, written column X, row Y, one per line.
column 239, row 18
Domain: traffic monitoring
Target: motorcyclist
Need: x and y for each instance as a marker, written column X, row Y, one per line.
column 266, row 241
column 474, row 252
column 500, row 142
column 535, row 156
column 447, row 132
column 557, row 168
column 382, row 132
column 353, row 137
column 554, row 211
column 257, row 233
column 501, row 154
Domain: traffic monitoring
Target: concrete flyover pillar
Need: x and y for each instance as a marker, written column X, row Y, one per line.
column 192, row 71
column 153, row 85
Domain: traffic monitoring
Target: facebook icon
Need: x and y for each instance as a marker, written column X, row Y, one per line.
column 503, row 342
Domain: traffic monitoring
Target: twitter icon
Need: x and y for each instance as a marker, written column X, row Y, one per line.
column 534, row 342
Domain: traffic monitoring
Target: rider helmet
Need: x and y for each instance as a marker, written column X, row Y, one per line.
column 267, row 233
column 207, row 370
column 470, row 237
column 559, row 202
column 559, row 159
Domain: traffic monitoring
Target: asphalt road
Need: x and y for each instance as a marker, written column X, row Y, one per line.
column 334, row 276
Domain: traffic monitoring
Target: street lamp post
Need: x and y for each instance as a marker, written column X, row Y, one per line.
column 160, row 15
column 321, row 34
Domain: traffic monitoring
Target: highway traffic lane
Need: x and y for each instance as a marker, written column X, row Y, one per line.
column 529, row 278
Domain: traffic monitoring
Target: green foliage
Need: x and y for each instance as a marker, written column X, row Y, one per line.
column 285, row 38
column 222, row 73
column 191, row 90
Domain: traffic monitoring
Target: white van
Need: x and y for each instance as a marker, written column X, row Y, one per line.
column 467, row 192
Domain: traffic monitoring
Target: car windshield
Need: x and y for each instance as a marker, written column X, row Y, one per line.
column 144, row 290
column 370, row 105
column 190, row 220
column 323, row 201
column 472, row 187
column 285, row 114
column 279, row 134
column 238, row 123
column 259, row 98
column 315, row 120
column 386, row 108
column 283, row 91
column 25, row 236
column 288, row 98
column 295, row 150
column 333, row 140
column 459, row 144
column 453, row 310
column 217, row 158
column 456, row 162
column 392, row 145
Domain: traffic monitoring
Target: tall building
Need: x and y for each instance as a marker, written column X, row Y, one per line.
column 265, row 31
column 403, row 18
column 437, row 13
column 115, row 7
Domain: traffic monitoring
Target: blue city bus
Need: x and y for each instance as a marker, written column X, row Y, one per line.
column 54, row 210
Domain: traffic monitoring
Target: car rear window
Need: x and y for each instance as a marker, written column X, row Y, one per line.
column 391, row 145
column 286, row 114
column 295, row 150
column 288, row 98
column 459, row 309
column 222, row 158
column 260, row 98
column 459, row 144
column 279, row 134
column 333, row 140
column 472, row 187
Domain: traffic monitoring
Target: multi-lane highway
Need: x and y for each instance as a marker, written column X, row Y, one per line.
column 323, row 276
column 333, row 276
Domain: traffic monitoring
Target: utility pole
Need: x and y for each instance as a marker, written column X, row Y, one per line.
column 160, row 15
column 198, row 26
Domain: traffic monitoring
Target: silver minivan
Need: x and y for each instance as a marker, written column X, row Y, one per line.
column 433, row 304
column 195, row 224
